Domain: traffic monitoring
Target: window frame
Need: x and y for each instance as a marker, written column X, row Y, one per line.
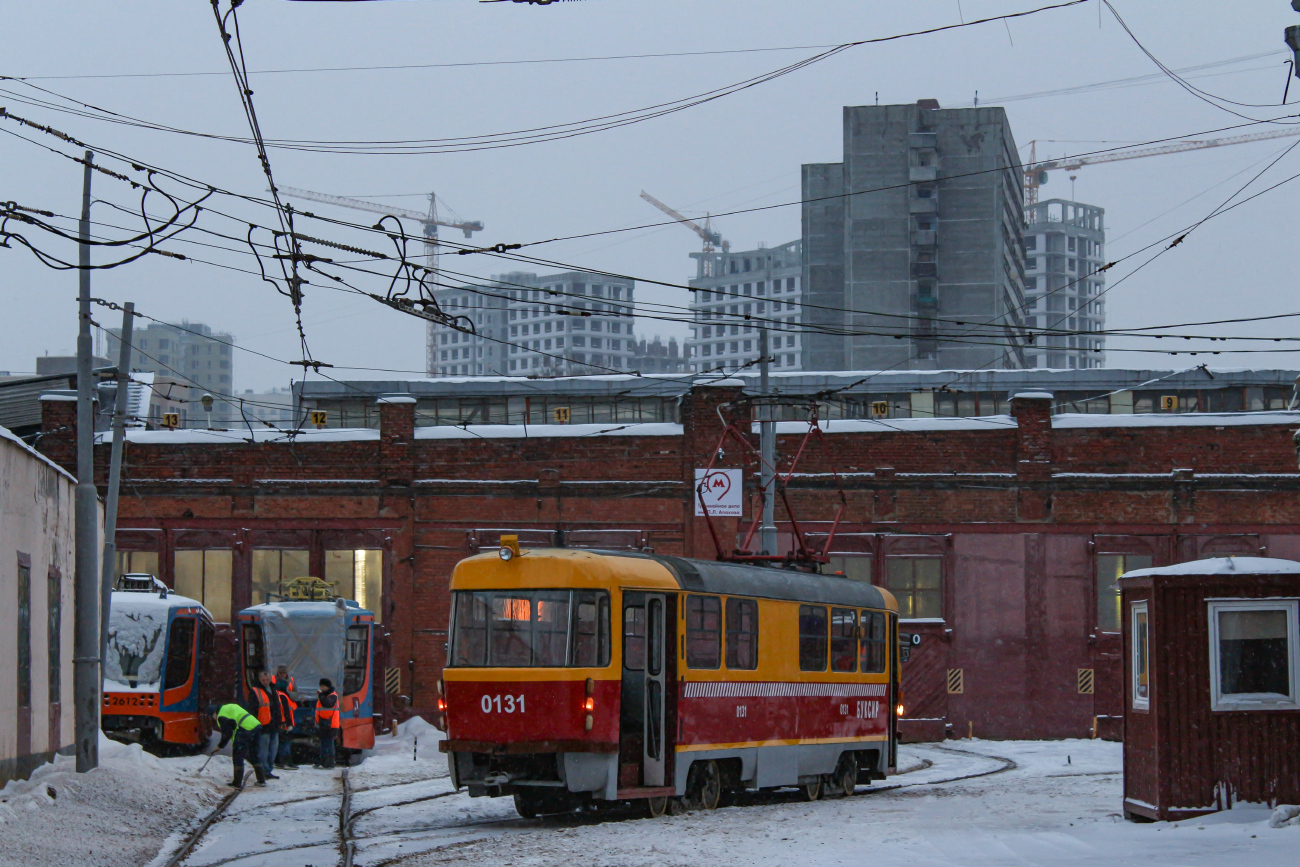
column 696, row 634
column 731, row 614
column 911, row 593
column 1143, row 607
column 1292, row 608
column 852, row 637
column 866, row 641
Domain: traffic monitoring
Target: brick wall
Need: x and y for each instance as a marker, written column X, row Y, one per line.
column 1019, row 515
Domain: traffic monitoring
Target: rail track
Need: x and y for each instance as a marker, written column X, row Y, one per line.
column 347, row 840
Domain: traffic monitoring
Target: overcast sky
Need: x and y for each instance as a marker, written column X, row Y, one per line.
column 738, row 152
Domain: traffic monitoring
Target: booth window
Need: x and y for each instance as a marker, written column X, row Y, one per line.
column 742, row 634
column 1253, row 654
column 358, row 574
column 1141, row 657
column 703, row 632
column 1109, row 569
column 917, row 584
column 812, row 638
column 205, row 576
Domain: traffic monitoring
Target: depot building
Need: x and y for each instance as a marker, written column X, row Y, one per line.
column 999, row 507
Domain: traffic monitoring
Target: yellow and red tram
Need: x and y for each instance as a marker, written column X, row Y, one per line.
column 584, row 677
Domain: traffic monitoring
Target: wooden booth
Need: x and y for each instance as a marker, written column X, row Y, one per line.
column 1212, row 706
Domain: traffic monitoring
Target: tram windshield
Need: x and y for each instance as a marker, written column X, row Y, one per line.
column 531, row 628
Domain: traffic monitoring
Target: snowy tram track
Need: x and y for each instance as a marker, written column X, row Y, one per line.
column 323, row 833
column 193, row 837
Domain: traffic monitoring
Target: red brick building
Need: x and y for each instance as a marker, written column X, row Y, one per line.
column 1002, row 536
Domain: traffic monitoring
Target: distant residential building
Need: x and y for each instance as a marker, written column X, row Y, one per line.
column 912, row 244
column 1065, row 245
column 199, row 359
column 526, row 325
column 659, row 357
column 735, row 293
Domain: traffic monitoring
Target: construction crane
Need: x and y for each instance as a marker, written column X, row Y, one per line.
column 1036, row 172
column 429, row 221
column 706, row 232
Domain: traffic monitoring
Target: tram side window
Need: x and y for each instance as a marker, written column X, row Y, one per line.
column 874, row 642
column 356, row 659
column 590, row 630
column 703, row 632
column 844, row 639
column 812, row 638
column 742, row 634
column 634, row 637
column 180, row 653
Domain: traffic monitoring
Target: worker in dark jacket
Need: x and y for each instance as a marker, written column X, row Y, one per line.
column 284, row 755
column 237, row 723
column 328, row 723
column 269, row 714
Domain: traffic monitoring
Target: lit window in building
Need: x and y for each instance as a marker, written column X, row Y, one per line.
column 358, row 574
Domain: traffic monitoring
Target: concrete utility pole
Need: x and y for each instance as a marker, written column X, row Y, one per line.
column 86, row 674
column 115, row 476
column 767, row 450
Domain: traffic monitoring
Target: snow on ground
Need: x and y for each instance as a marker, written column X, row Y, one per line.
column 122, row 813
column 1049, row 810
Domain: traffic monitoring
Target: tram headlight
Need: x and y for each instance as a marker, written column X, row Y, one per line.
column 506, row 554
column 899, row 709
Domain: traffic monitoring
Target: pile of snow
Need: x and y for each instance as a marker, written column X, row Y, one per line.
column 118, row 815
column 1284, row 815
column 409, row 753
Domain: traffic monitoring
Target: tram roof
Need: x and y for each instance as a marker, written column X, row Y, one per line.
column 586, row 567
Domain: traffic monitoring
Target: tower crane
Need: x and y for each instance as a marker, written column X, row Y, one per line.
column 1036, row 172
column 429, row 222
column 706, row 232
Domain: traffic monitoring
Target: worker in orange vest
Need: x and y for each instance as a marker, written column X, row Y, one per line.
column 269, row 715
column 328, row 724
column 283, row 753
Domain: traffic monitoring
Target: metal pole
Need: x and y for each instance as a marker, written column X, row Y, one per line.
column 86, row 675
column 767, row 449
column 109, row 566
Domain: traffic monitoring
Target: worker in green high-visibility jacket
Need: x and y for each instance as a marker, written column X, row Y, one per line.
column 237, row 723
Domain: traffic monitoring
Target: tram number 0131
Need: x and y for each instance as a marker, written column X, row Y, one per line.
column 502, row 704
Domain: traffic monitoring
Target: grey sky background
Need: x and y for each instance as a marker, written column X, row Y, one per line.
column 738, row 152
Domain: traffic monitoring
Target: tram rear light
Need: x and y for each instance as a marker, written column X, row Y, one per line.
column 899, row 709
column 589, row 705
column 442, row 705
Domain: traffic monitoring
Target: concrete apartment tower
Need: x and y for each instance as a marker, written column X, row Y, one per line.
column 192, row 354
column 920, row 228
column 1065, row 248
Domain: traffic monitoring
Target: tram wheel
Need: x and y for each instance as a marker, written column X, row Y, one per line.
column 812, row 790
column 704, row 786
column 527, row 804
column 845, row 779
column 654, row 807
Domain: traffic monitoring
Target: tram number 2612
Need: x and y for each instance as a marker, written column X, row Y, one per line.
column 502, row 704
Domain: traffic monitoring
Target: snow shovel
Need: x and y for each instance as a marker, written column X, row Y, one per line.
column 205, row 764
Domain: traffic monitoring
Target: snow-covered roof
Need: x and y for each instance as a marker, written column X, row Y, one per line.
column 9, row 435
column 898, row 425
column 1223, row 566
column 195, row 436
column 1066, row 421
column 519, row 431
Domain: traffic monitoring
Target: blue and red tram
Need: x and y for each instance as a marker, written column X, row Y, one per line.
column 585, row 677
column 158, row 668
column 315, row 639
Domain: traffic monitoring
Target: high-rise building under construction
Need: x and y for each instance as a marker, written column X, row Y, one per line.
column 913, row 254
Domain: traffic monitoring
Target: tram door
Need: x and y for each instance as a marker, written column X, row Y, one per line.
column 644, row 723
